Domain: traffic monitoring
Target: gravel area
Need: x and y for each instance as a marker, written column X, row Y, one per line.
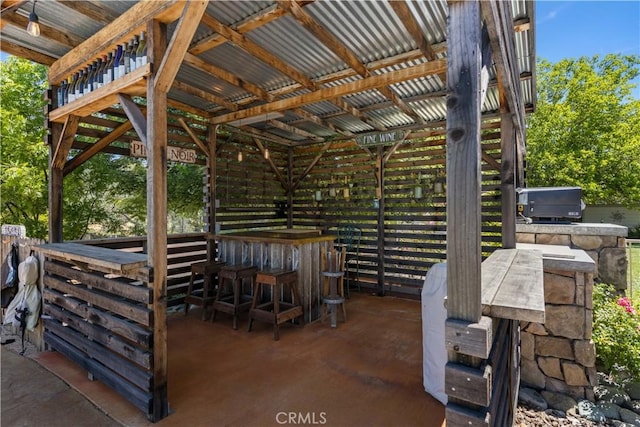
column 527, row 417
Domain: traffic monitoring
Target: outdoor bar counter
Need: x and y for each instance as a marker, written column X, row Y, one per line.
column 289, row 249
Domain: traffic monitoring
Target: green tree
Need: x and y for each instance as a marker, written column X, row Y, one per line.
column 586, row 129
column 106, row 196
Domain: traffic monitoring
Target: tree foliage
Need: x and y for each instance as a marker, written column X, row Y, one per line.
column 586, row 129
column 106, row 196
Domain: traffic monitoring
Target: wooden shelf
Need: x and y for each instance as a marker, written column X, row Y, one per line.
column 513, row 285
column 133, row 84
column 95, row 256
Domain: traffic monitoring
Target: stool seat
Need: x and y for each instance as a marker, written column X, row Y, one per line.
column 207, row 269
column 333, row 274
column 234, row 302
column 276, row 311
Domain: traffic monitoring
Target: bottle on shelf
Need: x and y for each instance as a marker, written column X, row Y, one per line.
column 132, row 55
column 108, row 69
column 141, row 53
column 121, row 67
column 71, row 90
column 127, row 57
column 67, row 87
column 116, row 62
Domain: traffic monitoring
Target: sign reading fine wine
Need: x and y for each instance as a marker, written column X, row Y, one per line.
column 380, row 138
column 174, row 154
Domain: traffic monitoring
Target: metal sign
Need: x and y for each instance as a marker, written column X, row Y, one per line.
column 174, row 154
column 380, row 138
column 14, row 230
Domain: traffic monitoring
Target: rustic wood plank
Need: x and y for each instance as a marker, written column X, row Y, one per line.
column 94, row 255
column 63, row 145
column 137, row 293
column 139, row 398
column 55, row 185
column 132, row 84
column 96, row 147
column 157, row 216
column 91, row 10
column 131, row 311
column 457, row 415
column 135, row 116
column 207, row 96
column 507, row 176
column 468, row 384
column 494, row 270
column 464, row 221
column 194, row 137
column 521, row 293
column 365, row 84
column 116, row 325
column 118, row 31
column 101, row 335
column 24, row 52
column 473, row 339
column 166, row 70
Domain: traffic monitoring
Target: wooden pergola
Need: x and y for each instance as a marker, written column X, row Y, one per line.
column 300, row 79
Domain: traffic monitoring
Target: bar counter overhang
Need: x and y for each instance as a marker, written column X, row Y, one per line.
column 290, row 249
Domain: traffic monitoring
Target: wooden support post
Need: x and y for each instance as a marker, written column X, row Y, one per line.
column 507, row 175
column 212, row 138
column 157, row 218
column 290, row 189
column 464, row 181
column 56, row 179
column 380, row 195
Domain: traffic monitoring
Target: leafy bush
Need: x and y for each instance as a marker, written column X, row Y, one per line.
column 616, row 332
column 634, row 232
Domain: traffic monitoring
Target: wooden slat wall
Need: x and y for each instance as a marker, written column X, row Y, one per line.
column 104, row 324
column 183, row 250
column 415, row 230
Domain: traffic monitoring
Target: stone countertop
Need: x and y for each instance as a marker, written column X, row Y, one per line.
column 575, row 228
column 562, row 257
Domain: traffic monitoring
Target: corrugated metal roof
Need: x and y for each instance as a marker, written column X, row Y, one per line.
column 369, row 29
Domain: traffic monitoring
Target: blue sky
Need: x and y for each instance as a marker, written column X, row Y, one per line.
column 571, row 29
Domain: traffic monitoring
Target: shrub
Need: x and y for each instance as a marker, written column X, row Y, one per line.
column 616, row 332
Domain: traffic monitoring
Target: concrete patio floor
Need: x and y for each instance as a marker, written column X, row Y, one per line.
column 365, row 372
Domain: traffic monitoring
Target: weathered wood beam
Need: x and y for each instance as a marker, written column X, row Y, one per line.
column 23, row 52
column 91, row 10
column 393, row 148
column 508, row 180
column 194, row 137
column 182, row 36
column 66, row 38
column 368, row 83
column 66, row 140
column 307, row 116
column 118, row 31
column 299, row 132
column 313, row 163
column 96, row 147
column 273, row 166
column 136, row 116
column 227, row 76
column 207, row 96
column 55, row 187
column 157, row 217
column 464, row 181
column 10, row 6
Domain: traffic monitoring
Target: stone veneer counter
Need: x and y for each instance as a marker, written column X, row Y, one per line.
column 604, row 243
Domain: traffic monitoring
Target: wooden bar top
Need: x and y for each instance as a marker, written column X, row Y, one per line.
column 111, row 259
column 285, row 236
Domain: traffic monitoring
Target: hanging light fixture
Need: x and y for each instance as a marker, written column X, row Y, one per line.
column 33, row 27
column 239, row 156
column 266, row 154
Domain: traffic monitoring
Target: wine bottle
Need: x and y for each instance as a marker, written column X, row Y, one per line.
column 81, row 83
column 141, row 53
column 106, row 73
column 121, row 68
column 132, row 56
column 65, row 94
column 71, row 91
column 127, row 58
column 59, row 96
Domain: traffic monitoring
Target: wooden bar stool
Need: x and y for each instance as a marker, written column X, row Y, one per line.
column 276, row 311
column 333, row 272
column 207, row 270
column 234, row 302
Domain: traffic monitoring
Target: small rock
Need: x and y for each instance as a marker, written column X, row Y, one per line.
column 558, row 401
column 633, row 405
column 555, row 413
column 610, row 410
column 589, row 411
column 629, row 417
column 607, row 380
column 611, row 394
column 532, row 399
column 633, row 390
